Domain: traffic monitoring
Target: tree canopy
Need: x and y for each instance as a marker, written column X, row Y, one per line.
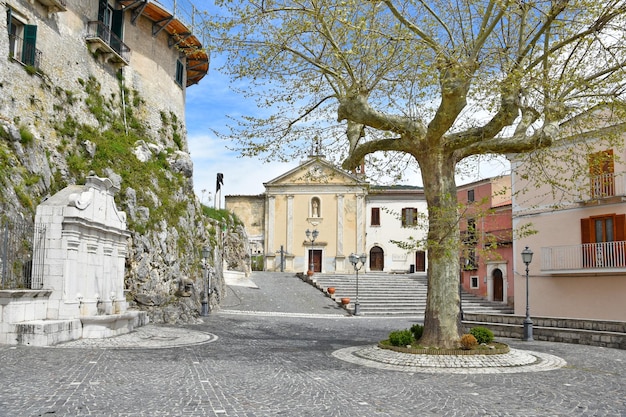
column 438, row 80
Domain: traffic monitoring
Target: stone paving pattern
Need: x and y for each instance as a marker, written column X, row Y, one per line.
column 272, row 351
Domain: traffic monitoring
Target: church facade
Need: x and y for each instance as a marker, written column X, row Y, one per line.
column 315, row 215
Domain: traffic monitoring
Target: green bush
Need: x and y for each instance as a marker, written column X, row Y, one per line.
column 26, row 137
column 417, row 330
column 401, row 337
column 482, row 334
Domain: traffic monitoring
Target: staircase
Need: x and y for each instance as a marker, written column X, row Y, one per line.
column 383, row 294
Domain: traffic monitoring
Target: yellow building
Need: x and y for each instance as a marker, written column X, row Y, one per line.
column 325, row 201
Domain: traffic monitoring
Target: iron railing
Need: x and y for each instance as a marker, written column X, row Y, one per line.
column 603, row 256
column 97, row 29
column 21, row 255
column 26, row 53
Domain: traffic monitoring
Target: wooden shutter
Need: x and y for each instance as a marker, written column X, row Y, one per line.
column 620, row 227
column 9, row 21
column 117, row 23
column 102, row 6
column 375, row 216
column 30, row 40
column 585, row 231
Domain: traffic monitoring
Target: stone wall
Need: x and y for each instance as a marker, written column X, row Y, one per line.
column 605, row 333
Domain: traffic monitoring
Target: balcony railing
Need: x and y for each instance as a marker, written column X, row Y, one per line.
column 584, row 258
column 607, row 185
column 108, row 41
column 27, row 54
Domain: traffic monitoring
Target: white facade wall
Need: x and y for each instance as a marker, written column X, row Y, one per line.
column 396, row 259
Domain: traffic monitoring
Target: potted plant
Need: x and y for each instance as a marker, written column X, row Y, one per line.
column 331, row 290
column 345, row 301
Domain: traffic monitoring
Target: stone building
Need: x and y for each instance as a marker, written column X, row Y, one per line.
column 133, row 44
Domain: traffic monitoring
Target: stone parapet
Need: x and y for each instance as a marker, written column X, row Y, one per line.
column 605, row 333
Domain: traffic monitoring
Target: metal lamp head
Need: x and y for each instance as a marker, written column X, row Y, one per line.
column 353, row 259
column 315, row 234
column 308, row 234
column 527, row 256
column 363, row 258
column 206, row 251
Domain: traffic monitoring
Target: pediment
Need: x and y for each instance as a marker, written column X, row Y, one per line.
column 315, row 171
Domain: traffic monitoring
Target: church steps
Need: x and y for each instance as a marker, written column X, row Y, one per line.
column 382, row 294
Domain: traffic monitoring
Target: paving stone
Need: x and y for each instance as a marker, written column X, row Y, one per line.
column 261, row 355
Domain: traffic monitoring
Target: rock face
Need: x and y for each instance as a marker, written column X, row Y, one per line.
column 77, row 116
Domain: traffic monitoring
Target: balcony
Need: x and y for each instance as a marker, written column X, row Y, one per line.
column 24, row 53
column 609, row 187
column 587, row 258
column 107, row 44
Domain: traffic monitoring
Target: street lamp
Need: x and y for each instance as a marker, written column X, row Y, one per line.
column 206, row 251
column 527, row 257
column 357, row 262
column 311, row 236
column 464, row 263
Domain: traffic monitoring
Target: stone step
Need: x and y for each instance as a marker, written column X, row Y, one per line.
column 385, row 294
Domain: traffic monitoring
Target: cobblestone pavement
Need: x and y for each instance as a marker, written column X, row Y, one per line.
column 276, row 350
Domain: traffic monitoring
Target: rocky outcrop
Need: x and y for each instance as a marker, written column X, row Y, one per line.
column 166, row 221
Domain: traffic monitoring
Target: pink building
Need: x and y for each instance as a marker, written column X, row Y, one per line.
column 486, row 234
column 579, row 265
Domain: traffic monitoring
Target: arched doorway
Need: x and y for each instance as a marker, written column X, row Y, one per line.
column 498, row 285
column 377, row 259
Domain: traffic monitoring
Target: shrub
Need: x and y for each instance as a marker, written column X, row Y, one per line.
column 482, row 334
column 401, row 337
column 417, row 330
column 468, row 341
column 26, row 137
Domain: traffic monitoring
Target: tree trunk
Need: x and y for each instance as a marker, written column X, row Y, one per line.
column 442, row 320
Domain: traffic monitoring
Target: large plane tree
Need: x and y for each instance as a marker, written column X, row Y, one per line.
column 439, row 80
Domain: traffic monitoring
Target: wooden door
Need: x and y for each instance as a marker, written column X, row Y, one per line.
column 498, row 285
column 420, row 261
column 316, row 256
column 377, row 259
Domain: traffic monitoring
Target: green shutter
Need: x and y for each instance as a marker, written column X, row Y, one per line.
column 102, row 6
column 9, row 21
column 30, row 40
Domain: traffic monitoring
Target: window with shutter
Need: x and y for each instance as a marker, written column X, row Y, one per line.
column 375, row 221
column 409, row 217
column 602, row 239
column 601, row 174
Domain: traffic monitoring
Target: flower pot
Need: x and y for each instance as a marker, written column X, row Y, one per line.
column 309, row 273
column 331, row 290
column 345, row 301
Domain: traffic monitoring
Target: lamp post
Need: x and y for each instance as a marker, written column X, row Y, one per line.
column 357, row 262
column 527, row 257
column 464, row 262
column 311, row 236
column 207, row 281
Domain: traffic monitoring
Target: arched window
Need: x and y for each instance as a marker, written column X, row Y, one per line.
column 316, row 207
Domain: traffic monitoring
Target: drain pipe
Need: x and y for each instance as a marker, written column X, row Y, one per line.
column 123, row 99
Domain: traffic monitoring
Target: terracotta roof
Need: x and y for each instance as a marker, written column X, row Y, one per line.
column 180, row 36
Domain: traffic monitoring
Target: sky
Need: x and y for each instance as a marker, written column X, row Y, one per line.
column 208, row 106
